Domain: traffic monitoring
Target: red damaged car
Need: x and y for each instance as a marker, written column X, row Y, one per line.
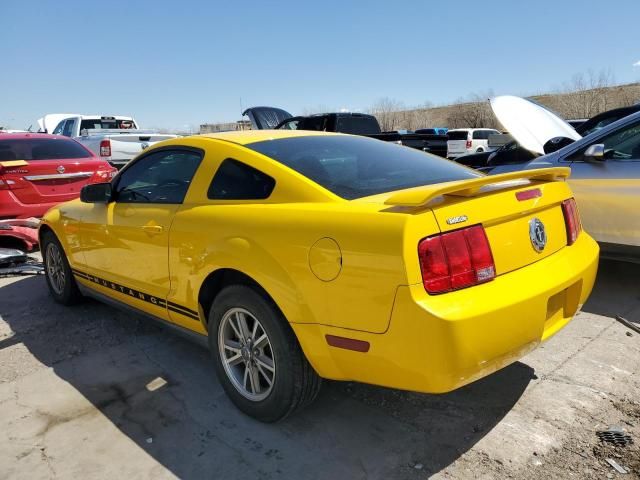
column 38, row 171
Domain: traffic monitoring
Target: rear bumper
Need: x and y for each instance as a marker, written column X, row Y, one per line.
column 436, row 344
column 11, row 207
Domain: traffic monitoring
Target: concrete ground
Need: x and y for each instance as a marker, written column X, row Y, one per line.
column 90, row 392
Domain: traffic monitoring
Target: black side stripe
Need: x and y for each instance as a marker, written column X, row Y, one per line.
column 184, row 309
column 159, row 302
column 190, row 315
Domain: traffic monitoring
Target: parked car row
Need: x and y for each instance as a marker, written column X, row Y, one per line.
column 258, row 229
column 428, row 140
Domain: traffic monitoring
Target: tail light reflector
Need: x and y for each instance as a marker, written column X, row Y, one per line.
column 105, row 148
column 455, row 260
column 571, row 220
column 105, row 174
column 468, row 144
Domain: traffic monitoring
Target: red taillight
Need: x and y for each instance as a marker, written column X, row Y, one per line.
column 468, row 143
column 571, row 220
column 456, row 260
column 105, row 148
column 104, row 174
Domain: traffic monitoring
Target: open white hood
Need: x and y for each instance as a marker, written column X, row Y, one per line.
column 50, row 121
column 529, row 123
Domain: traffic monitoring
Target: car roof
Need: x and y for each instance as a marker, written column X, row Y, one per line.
column 13, row 136
column 245, row 137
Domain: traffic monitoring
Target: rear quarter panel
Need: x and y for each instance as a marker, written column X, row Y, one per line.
column 271, row 241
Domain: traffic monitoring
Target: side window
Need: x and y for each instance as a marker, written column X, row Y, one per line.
column 235, row 180
column 58, row 129
column 67, row 131
column 621, row 145
column 159, row 177
column 478, row 135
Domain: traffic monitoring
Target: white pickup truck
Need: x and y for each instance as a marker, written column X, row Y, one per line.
column 115, row 139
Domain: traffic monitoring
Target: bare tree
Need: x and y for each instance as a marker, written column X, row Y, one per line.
column 472, row 112
column 390, row 113
column 586, row 95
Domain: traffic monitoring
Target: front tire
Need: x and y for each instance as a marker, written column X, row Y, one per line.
column 62, row 285
column 257, row 356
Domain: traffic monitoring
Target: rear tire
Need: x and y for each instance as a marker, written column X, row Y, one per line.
column 257, row 356
column 62, row 285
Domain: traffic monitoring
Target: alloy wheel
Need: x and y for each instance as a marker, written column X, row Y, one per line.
column 55, row 268
column 246, row 354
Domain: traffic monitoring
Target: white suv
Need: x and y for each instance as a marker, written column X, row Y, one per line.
column 468, row 140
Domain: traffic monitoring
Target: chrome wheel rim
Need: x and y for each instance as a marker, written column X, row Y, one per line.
column 55, row 268
column 246, row 354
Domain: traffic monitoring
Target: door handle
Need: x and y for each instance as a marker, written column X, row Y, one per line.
column 153, row 229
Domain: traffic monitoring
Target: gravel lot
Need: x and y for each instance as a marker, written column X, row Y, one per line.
column 90, row 392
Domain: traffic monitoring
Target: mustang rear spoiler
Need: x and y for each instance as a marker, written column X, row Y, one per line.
column 467, row 188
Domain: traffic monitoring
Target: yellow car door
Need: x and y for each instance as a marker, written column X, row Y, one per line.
column 605, row 178
column 126, row 241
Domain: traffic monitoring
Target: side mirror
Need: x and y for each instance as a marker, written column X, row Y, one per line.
column 595, row 152
column 96, row 193
column 555, row 144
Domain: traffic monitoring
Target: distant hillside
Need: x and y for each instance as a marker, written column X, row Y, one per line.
column 569, row 105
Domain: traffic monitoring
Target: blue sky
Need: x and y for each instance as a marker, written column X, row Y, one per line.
column 180, row 63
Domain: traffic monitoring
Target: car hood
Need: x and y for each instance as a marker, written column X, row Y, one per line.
column 49, row 122
column 530, row 124
column 263, row 118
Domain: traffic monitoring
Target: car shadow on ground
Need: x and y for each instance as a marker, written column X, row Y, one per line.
column 617, row 290
column 161, row 392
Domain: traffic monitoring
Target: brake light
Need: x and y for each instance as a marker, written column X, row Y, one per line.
column 455, row 260
column 528, row 194
column 468, row 143
column 105, row 174
column 571, row 220
column 105, row 148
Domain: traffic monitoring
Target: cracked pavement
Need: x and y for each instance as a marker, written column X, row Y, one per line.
column 91, row 392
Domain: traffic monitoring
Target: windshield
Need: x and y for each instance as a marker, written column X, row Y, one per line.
column 354, row 167
column 41, row 149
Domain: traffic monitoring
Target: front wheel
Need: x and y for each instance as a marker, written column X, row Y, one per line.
column 257, row 356
column 62, row 285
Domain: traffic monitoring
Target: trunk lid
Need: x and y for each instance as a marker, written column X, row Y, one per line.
column 530, row 124
column 504, row 205
column 49, row 181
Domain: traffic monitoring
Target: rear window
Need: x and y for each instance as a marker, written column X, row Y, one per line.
column 357, row 124
column 427, row 131
column 103, row 123
column 354, row 167
column 41, row 149
column 459, row 135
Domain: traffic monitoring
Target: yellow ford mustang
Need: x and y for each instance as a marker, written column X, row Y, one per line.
column 305, row 255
